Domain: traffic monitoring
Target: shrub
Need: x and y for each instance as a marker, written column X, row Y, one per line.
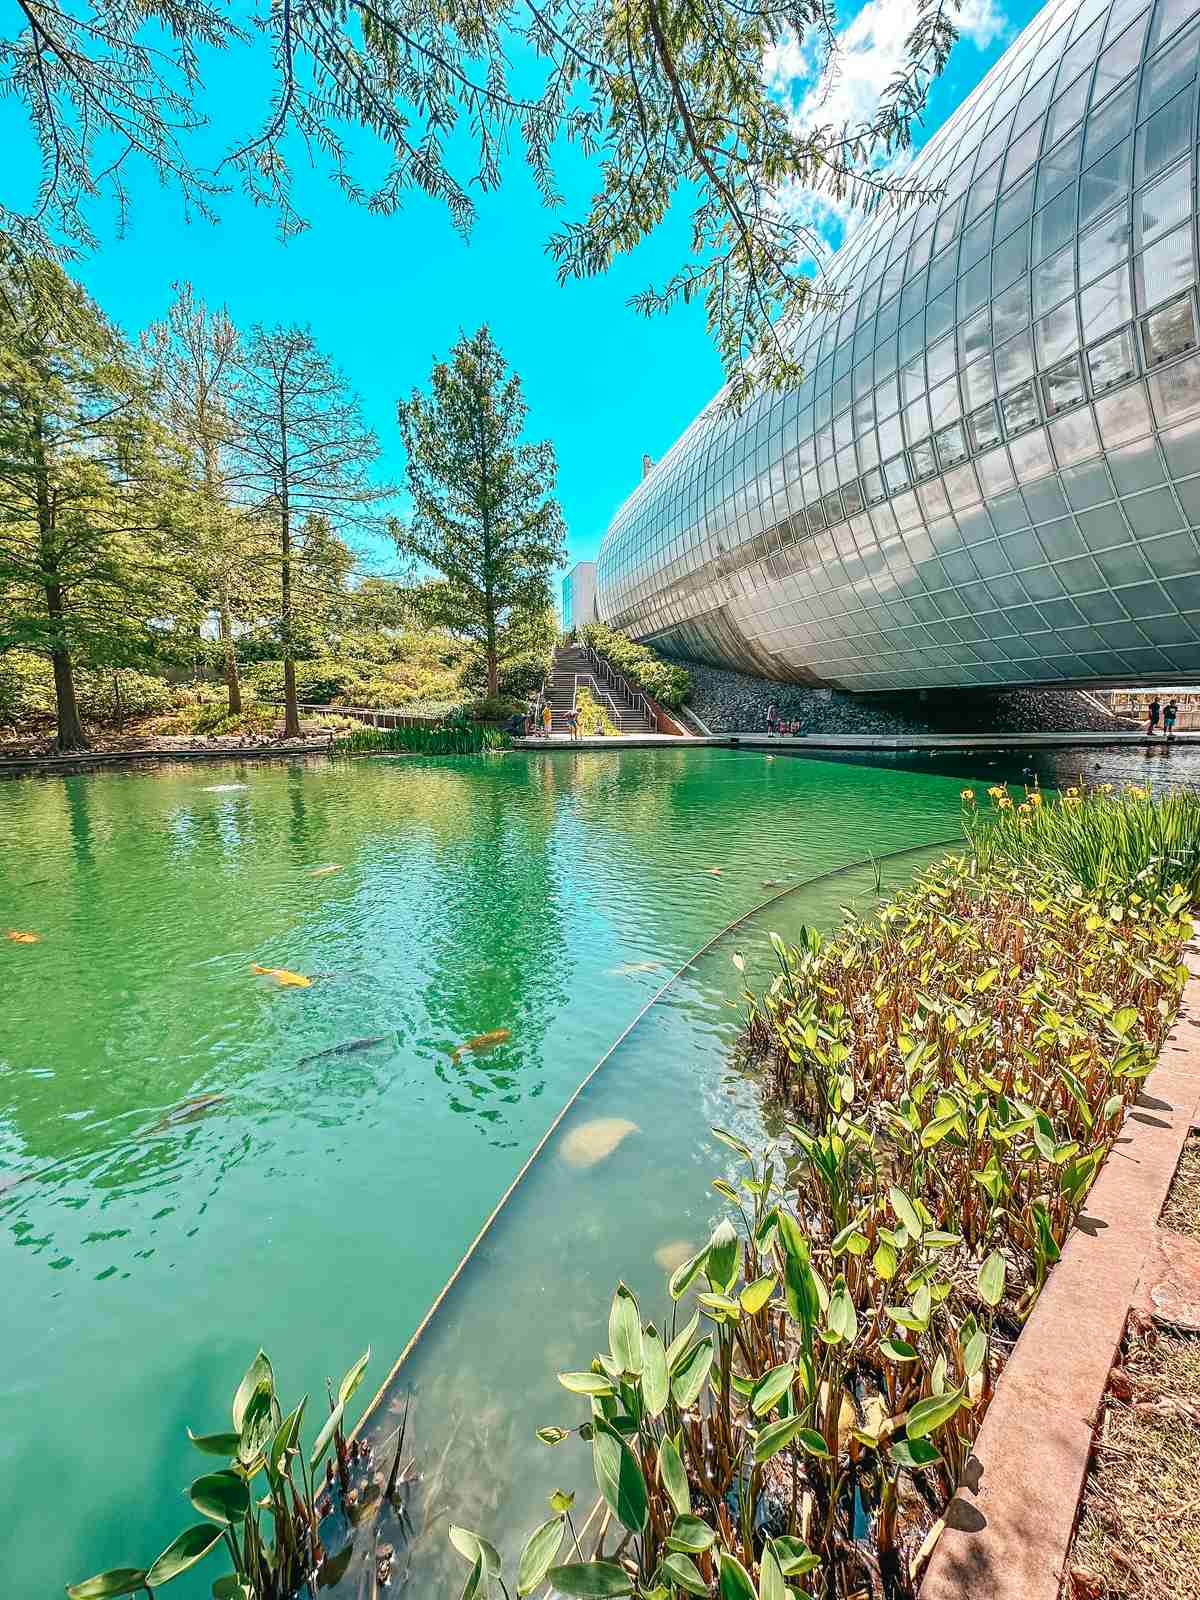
column 593, row 718
column 668, row 684
column 497, row 709
column 321, row 680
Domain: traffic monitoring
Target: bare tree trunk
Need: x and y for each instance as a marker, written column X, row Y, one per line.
column 232, row 681
column 291, row 711
column 70, row 729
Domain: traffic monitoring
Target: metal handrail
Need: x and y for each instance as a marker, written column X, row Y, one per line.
column 634, row 696
column 616, row 715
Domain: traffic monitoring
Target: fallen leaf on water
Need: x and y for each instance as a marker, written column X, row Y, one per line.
column 22, row 938
column 594, row 1140
column 288, row 980
column 323, row 872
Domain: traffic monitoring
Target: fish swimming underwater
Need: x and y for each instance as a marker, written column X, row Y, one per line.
column 592, row 1141
column 288, row 980
column 772, row 883
column 481, row 1043
column 346, row 1049
column 223, row 788
column 628, row 968
column 323, row 872
column 187, row 1112
column 23, row 938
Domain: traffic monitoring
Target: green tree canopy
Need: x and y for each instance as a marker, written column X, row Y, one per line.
column 667, row 97
column 484, row 518
column 92, row 500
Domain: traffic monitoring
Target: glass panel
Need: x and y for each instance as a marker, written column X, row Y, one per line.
column 1063, row 387
column 1010, row 259
column 1124, row 414
column 1119, row 60
column 1112, row 361
column 1176, row 390
column 1066, row 110
column 1014, row 361
column 983, row 427
column 896, row 472
column 1014, row 206
column 1022, row 153
column 1105, row 183
column 1102, row 246
column 1164, row 137
column 1031, row 456
column 1107, row 304
column 1165, row 268
column 1169, row 332
column 1020, row 409
column 976, row 242
column 924, row 463
column 973, row 288
column 983, row 190
column 1074, row 437
column 1112, row 121
column 1169, row 71
column 1053, row 280
column 1052, row 226
column 978, row 382
column 975, row 335
column 1010, row 311
column 1059, row 167
column 952, row 444
column 1163, row 204
column 944, row 403
column 1056, row 335
column 1169, row 16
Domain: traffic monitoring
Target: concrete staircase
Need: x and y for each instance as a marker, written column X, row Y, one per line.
column 571, row 666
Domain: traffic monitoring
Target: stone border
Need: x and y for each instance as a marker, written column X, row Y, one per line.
column 116, row 758
column 1009, row 1527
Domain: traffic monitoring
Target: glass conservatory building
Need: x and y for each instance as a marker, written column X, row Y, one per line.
column 991, row 472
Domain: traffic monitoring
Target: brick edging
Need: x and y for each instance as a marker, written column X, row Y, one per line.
column 1009, row 1526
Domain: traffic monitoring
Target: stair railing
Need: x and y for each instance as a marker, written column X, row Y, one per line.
column 636, row 699
column 616, row 715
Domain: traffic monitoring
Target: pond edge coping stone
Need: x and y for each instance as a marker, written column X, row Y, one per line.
column 1009, row 1527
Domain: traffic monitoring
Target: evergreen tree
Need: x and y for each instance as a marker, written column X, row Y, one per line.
column 484, row 518
column 301, row 457
column 89, row 491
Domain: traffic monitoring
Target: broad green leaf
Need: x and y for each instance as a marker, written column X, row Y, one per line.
column 684, row 1572
column 259, row 1421
column 991, row 1279
column 475, row 1581
column 884, row 1261
column 216, row 1444
column 931, row 1413
column 690, row 1533
column 914, row 1454
column 842, row 1318
column 325, row 1438
column 734, row 1143
column 684, row 1276
column 618, row 1476
column 771, row 1388
column 552, row 1435
column 906, row 1213
column 755, row 1295
column 231, row 1587
column 625, row 1331
column 771, row 1439
column 974, row 1352
column 287, row 1436
column 690, row 1375
column 724, row 1252
column 681, row 1341
column 813, row 1444
column 353, row 1378
column 192, row 1545
column 222, row 1496
column 473, row 1547
column 897, row 1350
column 595, row 1580
column 656, row 1383
column 259, row 1371
column 770, row 1579
column 673, row 1477
column 538, row 1555
column 586, row 1383
column 735, row 1580
column 794, row 1556
column 107, row 1585
column 1123, row 1020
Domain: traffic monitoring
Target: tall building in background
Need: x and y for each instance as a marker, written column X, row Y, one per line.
column 991, row 472
column 579, row 595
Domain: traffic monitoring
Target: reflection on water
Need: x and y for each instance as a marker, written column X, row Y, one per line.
column 319, row 1197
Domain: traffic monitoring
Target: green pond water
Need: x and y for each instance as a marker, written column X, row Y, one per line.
column 319, row 1205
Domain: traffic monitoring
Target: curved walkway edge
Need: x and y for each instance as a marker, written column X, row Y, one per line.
column 1009, row 1527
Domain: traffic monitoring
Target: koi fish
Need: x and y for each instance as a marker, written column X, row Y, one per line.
column 714, row 872
column 593, row 1141
column 323, row 872
column 628, row 968
column 23, row 938
column 222, row 788
column 480, row 1043
column 286, row 979
column 772, row 883
column 343, row 1049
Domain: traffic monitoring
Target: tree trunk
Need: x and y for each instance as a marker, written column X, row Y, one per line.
column 493, row 673
column 70, row 729
column 291, row 711
column 232, row 681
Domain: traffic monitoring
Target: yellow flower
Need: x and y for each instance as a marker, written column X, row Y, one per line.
column 1071, row 800
column 996, row 792
column 1072, row 794
column 1106, row 788
column 1035, row 799
column 967, row 796
column 1004, row 803
column 1025, row 806
column 1138, row 792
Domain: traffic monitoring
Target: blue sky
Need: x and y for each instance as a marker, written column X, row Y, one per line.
column 384, row 295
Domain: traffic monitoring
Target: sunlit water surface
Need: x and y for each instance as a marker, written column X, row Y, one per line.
column 320, row 1204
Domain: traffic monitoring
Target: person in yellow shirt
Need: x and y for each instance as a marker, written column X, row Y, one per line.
column 547, row 720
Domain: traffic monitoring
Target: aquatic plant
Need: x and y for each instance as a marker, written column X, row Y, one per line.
column 1095, row 835
column 269, row 1509
column 947, row 1075
column 456, row 738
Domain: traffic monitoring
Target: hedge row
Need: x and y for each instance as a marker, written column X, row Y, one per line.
column 669, row 685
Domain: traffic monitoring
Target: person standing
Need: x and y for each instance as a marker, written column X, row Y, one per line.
column 772, row 718
column 573, row 721
column 547, row 720
column 1170, row 712
column 1152, row 713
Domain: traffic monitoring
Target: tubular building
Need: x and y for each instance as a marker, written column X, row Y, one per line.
column 991, row 472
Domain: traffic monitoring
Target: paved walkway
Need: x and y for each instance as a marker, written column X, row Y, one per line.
column 863, row 741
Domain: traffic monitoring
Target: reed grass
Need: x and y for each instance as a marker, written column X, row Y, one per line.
column 439, row 739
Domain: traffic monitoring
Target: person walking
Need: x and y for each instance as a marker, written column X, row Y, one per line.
column 1170, row 712
column 1152, row 712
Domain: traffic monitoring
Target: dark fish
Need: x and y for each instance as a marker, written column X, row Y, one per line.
column 11, row 1180
column 481, row 1042
column 187, row 1112
column 344, row 1049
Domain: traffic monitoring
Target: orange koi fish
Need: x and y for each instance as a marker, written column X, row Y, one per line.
column 288, row 980
column 481, row 1042
column 23, row 938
